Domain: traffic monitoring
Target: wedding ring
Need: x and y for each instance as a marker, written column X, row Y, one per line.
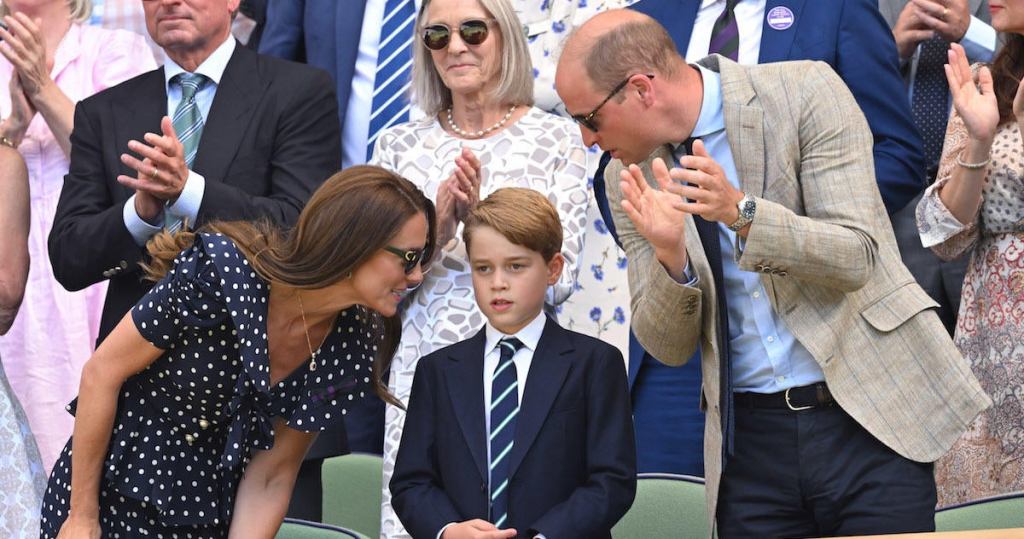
column 154, row 173
column 945, row 11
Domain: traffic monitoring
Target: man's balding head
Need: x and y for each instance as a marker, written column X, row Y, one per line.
column 614, row 44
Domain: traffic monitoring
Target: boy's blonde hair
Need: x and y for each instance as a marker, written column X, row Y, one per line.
column 524, row 216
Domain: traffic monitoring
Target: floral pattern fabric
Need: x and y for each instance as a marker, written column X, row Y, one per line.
column 989, row 458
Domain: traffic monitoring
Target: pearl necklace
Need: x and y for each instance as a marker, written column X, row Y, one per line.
column 482, row 132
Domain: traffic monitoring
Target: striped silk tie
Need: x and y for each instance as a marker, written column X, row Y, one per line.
column 504, row 409
column 725, row 34
column 188, row 125
column 390, row 104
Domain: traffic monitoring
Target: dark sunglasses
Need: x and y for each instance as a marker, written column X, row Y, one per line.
column 437, row 36
column 411, row 258
column 588, row 120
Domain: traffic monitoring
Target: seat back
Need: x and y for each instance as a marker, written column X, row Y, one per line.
column 1006, row 511
column 666, row 505
column 293, row 528
column 352, row 492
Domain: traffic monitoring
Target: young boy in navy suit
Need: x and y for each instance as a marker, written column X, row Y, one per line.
column 524, row 429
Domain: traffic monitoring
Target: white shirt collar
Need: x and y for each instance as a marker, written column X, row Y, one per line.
column 529, row 335
column 213, row 67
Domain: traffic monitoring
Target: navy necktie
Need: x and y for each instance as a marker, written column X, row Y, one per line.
column 930, row 103
column 725, row 34
column 708, row 233
column 503, row 410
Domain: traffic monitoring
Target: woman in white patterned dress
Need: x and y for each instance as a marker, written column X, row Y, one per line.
column 472, row 75
column 21, row 472
column 976, row 205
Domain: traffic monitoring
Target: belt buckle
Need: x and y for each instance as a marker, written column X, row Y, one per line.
column 790, row 405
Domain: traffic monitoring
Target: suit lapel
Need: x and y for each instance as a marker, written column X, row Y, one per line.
column 776, row 44
column 140, row 115
column 548, row 370
column 240, row 89
column 468, row 371
column 348, row 17
column 744, row 125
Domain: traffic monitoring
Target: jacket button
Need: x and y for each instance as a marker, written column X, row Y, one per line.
column 106, row 273
column 123, row 265
column 783, row 273
column 203, row 424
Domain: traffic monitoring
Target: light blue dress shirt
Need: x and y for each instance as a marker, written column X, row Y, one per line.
column 766, row 357
column 186, row 207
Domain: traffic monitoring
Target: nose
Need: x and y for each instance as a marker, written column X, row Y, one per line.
column 498, row 281
column 589, row 137
column 455, row 42
column 415, row 278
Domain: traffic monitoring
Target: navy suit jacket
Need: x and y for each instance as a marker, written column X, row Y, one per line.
column 323, row 33
column 573, row 464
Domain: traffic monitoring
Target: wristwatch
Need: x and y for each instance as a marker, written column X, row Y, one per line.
column 747, row 206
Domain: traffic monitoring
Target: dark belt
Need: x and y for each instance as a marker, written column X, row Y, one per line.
column 795, row 398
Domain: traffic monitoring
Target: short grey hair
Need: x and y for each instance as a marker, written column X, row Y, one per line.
column 80, row 10
column 516, row 83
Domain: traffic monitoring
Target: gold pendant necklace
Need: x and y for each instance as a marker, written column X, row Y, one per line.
column 305, row 328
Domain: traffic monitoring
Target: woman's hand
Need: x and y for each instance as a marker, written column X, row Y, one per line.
column 27, row 53
column 467, row 183
column 13, row 127
column 447, row 221
column 974, row 102
column 80, row 528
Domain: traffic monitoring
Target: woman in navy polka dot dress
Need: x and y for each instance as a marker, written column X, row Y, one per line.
column 194, row 414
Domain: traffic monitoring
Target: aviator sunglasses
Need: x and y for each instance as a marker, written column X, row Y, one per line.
column 473, row 31
column 411, row 258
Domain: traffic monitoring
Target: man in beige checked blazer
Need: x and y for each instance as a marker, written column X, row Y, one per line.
column 768, row 246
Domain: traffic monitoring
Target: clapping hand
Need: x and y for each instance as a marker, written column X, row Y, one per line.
column 974, row 102
column 13, row 127
column 467, row 180
column 162, row 171
column 657, row 214
column 26, row 51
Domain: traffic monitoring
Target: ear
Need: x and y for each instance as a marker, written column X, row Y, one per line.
column 555, row 267
column 644, row 88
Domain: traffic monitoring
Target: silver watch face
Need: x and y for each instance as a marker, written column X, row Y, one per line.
column 747, row 208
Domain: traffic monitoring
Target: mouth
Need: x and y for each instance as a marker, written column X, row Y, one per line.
column 501, row 305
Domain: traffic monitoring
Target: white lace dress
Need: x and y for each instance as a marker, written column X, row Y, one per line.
column 540, row 151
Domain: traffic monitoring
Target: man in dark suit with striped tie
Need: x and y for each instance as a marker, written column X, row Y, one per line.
column 523, row 430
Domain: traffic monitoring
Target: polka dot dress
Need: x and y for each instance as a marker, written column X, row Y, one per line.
column 187, row 426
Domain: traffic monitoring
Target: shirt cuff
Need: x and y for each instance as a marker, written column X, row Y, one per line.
column 440, row 533
column 191, row 197
column 140, row 230
column 979, row 41
column 689, row 278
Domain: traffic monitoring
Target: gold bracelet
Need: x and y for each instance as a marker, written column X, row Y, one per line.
column 972, row 166
column 8, row 142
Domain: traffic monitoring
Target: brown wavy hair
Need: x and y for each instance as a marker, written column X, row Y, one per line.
column 1007, row 71
column 352, row 216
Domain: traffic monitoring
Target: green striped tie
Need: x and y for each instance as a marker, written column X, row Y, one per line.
column 188, row 124
column 188, row 121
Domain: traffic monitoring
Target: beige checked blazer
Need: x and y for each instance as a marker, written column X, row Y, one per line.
column 828, row 260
